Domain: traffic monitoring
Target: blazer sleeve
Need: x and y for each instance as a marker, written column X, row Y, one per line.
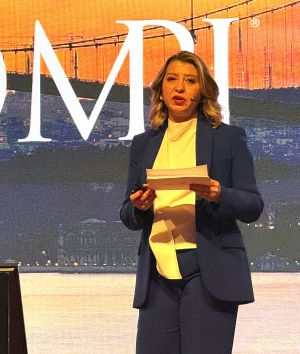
column 133, row 218
column 242, row 200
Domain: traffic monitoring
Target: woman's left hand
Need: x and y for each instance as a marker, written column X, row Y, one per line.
column 211, row 193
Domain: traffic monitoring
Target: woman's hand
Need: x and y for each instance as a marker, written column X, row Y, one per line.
column 143, row 200
column 211, row 193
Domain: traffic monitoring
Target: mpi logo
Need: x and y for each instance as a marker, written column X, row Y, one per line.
column 133, row 44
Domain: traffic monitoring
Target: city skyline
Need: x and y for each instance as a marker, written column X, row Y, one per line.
column 68, row 183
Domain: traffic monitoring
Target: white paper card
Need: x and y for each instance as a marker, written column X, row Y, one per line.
column 179, row 179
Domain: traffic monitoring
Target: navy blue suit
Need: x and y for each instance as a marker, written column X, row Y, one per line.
column 221, row 251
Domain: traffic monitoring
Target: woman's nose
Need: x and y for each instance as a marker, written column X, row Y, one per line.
column 179, row 86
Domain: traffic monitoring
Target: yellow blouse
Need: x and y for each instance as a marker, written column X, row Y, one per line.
column 174, row 210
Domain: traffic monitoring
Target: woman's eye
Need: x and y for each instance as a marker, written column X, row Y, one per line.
column 170, row 78
column 192, row 81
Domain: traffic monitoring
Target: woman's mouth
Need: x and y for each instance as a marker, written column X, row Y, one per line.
column 179, row 100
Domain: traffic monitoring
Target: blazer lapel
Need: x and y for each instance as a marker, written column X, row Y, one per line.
column 204, row 146
column 152, row 149
column 204, row 143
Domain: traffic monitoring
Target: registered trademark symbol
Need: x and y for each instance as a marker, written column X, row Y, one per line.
column 255, row 22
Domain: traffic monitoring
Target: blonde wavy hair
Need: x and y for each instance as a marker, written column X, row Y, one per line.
column 209, row 91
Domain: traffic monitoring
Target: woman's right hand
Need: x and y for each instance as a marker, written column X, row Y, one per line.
column 143, row 200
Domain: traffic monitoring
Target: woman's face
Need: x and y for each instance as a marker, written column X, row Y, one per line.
column 181, row 91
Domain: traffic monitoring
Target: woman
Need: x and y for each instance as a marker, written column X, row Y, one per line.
column 193, row 270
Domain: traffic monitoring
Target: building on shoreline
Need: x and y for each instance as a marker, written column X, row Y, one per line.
column 96, row 242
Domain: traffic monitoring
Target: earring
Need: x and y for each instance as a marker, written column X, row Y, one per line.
column 161, row 97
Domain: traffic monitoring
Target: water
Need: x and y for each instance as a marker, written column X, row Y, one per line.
column 92, row 314
column 88, row 314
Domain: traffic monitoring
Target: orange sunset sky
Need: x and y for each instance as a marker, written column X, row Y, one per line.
column 264, row 48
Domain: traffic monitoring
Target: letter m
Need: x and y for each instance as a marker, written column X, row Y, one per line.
column 84, row 124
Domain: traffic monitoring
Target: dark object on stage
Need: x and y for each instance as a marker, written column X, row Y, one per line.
column 12, row 330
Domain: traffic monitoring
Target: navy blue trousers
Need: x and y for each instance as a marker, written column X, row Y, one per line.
column 181, row 317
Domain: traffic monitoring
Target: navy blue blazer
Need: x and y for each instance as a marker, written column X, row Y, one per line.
column 220, row 247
